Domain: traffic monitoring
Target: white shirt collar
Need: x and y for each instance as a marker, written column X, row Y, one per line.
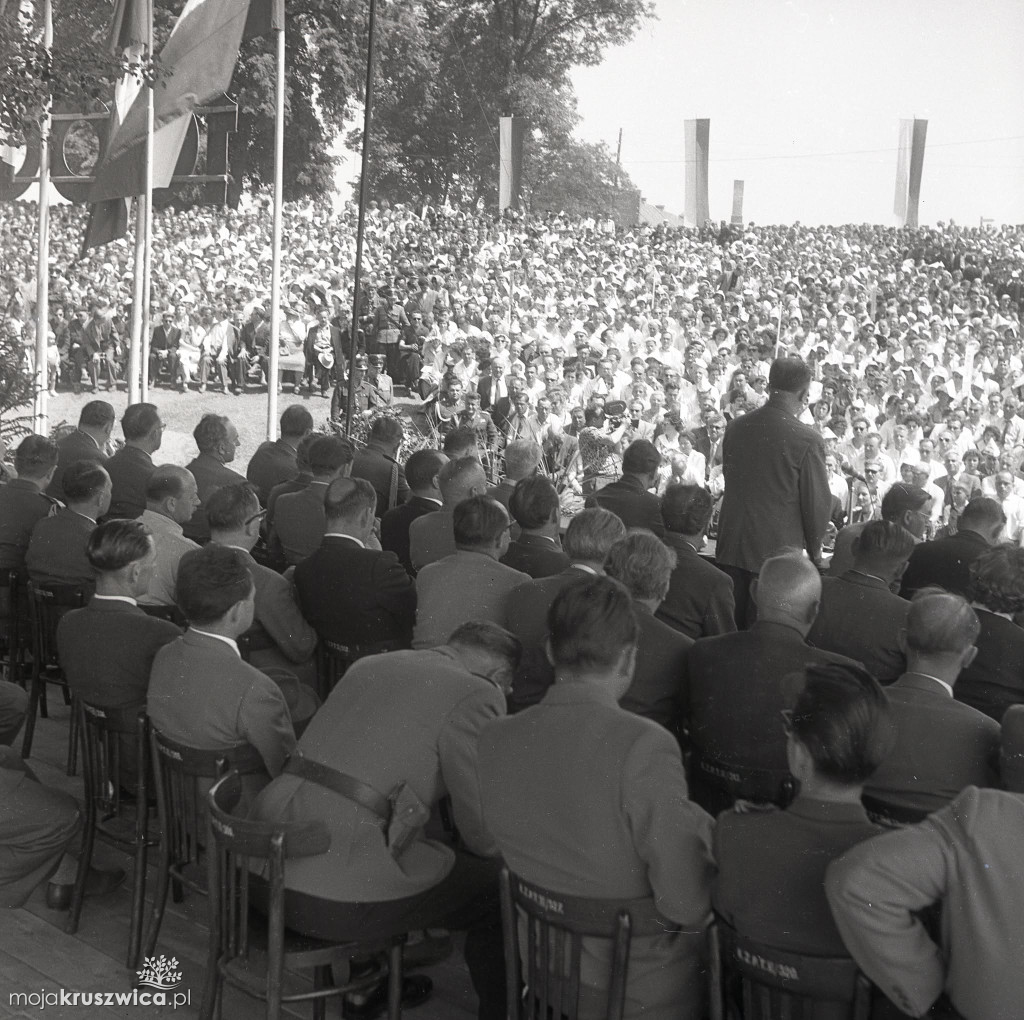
column 985, row 609
column 942, row 683
column 584, row 568
column 219, row 637
column 116, row 598
column 351, row 538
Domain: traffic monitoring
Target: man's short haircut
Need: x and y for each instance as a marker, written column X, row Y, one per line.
column 231, row 506
column 686, row 509
column 115, row 544
column 295, row 421
column 387, row 430
column 997, row 579
column 35, row 456
column 844, row 720
column 478, row 522
column 522, row 458
column 884, row 541
column 302, row 451
column 82, row 480
column 347, row 498
column 940, row 622
column 789, row 375
column 489, row 637
column 211, row 431
column 900, row 498
column 534, row 502
column 461, row 438
column 166, row 480
column 139, row 420
column 591, row 535
column 591, row 623
column 454, row 478
column 96, row 414
column 328, row 454
column 422, row 466
column 643, row 563
column 982, row 512
column 210, row 581
column 641, row 458
column 789, row 583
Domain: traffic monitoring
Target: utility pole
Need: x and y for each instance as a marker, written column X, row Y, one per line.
column 618, row 159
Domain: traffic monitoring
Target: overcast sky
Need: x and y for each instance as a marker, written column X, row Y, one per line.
column 805, row 97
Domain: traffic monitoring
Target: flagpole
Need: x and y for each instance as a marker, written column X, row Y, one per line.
column 147, row 237
column 363, row 192
column 136, row 382
column 273, row 354
column 39, row 415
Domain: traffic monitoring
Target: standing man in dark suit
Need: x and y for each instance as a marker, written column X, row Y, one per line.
column 629, row 498
column 90, row 441
column 699, row 602
column 421, row 473
column 131, row 467
column 217, row 440
column 274, row 461
column 946, row 562
column 492, row 388
column 536, row 551
column 776, row 485
column 377, row 464
column 432, row 536
column 354, row 595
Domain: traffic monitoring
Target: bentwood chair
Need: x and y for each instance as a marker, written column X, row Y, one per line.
column 716, row 784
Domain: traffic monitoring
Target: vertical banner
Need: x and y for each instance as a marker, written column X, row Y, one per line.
column 510, row 150
column 909, row 165
column 737, row 204
column 697, row 133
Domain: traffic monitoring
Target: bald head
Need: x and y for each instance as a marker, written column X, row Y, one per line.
column 172, row 492
column 461, row 479
column 788, row 591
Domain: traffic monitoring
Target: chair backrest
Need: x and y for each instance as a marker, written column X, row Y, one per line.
column 103, row 747
column 47, row 604
column 555, row 926
column 892, row 816
column 12, row 587
column 332, row 659
column 759, row 982
column 718, row 784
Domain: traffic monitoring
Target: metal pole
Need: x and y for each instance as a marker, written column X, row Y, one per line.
column 39, row 415
column 147, row 223
column 618, row 158
column 363, row 189
column 275, row 269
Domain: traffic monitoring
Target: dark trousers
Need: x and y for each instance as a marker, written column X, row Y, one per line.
column 467, row 900
column 746, row 608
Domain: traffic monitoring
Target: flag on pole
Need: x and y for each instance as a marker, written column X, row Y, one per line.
column 130, row 25
column 195, row 66
column 265, row 16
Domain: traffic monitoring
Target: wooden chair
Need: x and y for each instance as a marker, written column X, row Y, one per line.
column 892, row 816
column 716, row 784
column 754, row 981
column 46, row 605
column 107, row 735
column 555, row 928
column 12, row 634
column 332, row 659
column 251, row 957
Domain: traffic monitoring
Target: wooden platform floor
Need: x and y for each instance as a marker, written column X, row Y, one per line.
column 36, row 953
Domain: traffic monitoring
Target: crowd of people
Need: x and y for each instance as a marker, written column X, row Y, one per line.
column 814, row 734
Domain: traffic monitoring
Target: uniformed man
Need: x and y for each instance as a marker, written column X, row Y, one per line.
column 363, row 395
column 378, row 378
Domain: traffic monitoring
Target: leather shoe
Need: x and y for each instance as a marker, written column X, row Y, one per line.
column 97, row 883
column 374, row 1003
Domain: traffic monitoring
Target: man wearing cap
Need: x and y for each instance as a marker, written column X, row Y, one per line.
column 362, row 396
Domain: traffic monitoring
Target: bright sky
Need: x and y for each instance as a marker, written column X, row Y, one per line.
column 805, row 97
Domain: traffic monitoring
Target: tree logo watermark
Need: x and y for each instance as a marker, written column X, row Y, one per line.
column 160, row 972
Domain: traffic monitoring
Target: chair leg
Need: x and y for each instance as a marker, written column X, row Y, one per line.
column 322, row 978
column 138, row 901
column 159, row 898
column 82, row 875
column 395, row 981
column 30, row 716
column 73, row 737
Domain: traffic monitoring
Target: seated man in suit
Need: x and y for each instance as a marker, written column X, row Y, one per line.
column 586, row 799
column 377, row 464
column 699, row 602
column 629, row 498
column 352, row 594
column 275, row 460
column 858, row 615
column 299, row 519
column 279, row 639
column 408, row 721
column 422, row 471
column 470, row 583
column 643, row 565
column 90, row 441
column 536, row 550
column 303, row 477
column 23, row 502
column 217, row 440
column 523, row 458
column 201, row 693
column 771, row 863
column 431, row 536
column 734, row 682
column 171, row 500
column 588, row 541
column 132, row 465
column 945, row 563
column 107, row 648
column 56, row 551
column 944, row 745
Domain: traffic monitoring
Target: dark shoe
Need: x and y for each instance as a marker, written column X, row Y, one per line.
column 374, row 1003
column 97, row 883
